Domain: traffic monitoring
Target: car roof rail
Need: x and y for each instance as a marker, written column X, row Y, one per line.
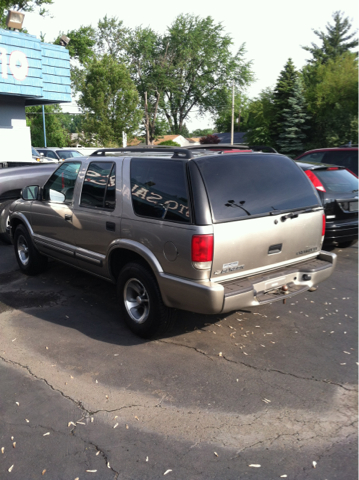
column 177, row 151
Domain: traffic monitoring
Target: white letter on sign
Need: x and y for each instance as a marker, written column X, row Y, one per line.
column 19, row 71
column 3, row 60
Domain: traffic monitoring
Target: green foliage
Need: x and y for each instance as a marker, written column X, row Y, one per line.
column 109, row 101
column 332, row 96
column 201, row 132
column 291, row 140
column 223, row 120
column 56, row 134
column 336, row 41
column 200, row 68
column 170, row 143
column 261, row 116
column 282, row 92
column 22, row 6
column 81, row 43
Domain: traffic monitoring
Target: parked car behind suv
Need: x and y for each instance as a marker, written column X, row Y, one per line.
column 344, row 156
column 59, row 154
column 338, row 191
column 208, row 233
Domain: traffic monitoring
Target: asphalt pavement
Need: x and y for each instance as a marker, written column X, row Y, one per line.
column 265, row 393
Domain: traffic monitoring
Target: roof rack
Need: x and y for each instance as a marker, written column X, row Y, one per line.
column 177, row 152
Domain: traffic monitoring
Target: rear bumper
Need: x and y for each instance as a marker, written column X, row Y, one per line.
column 214, row 298
column 337, row 232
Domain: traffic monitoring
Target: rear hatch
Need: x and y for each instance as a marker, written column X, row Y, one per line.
column 265, row 212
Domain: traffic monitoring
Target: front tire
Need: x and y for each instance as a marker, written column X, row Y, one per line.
column 29, row 259
column 141, row 304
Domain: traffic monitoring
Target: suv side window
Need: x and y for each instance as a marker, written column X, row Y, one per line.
column 159, row 189
column 63, row 181
column 99, row 187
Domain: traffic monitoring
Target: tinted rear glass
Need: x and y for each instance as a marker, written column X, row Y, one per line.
column 242, row 185
column 338, row 180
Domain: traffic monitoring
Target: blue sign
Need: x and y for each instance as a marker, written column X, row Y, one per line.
column 29, row 68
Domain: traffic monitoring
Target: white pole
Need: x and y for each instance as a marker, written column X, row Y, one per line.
column 232, row 125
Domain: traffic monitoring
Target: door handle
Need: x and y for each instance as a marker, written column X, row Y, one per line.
column 68, row 217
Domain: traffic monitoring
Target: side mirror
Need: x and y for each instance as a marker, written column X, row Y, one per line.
column 30, row 193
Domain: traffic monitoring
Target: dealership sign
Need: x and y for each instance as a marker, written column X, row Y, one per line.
column 38, row 72
column 15, row 64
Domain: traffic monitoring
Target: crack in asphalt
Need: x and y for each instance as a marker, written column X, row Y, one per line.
column 78, row 403
column 262, row 369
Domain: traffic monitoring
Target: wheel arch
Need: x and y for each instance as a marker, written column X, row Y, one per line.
column 126, row 251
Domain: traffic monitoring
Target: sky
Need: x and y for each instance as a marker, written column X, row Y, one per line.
column 273, row 31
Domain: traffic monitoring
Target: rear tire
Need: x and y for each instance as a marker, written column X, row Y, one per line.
column 141, row 304
column 4, row 221
column 30, row 260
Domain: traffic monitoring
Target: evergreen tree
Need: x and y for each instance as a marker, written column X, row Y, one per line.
column 282, row 93
column 291, row 140
column 335, row 41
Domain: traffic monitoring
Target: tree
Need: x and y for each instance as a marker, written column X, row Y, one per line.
column 201, row 132
column 282, row 92
column 109, row 101
column 291, row 140
column 200, row 68
column 333, row 102
column 335, row 41
column 209, row 139
column 261, row 117
column 223, row 120
column 81, row 50
column 56, row 134
column 22, row 6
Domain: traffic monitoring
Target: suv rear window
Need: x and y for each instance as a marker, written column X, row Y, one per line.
column 159, row 189
column 240, row 186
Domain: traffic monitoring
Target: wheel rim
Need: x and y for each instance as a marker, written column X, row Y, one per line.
column 136, row 300
column 23, row 250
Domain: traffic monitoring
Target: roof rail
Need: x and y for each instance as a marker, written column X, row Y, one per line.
column 177, row 152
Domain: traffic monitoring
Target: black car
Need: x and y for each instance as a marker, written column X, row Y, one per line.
column 338, row 190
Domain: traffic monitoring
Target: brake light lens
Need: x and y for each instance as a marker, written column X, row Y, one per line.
column 315, row 180
column 323, row 226
column 202, row 251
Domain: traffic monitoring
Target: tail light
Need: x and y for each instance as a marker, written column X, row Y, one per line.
column 202, row 251
column 323, row 228
column 315, row 180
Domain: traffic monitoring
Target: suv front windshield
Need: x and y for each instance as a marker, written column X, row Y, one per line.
column 240, row 186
